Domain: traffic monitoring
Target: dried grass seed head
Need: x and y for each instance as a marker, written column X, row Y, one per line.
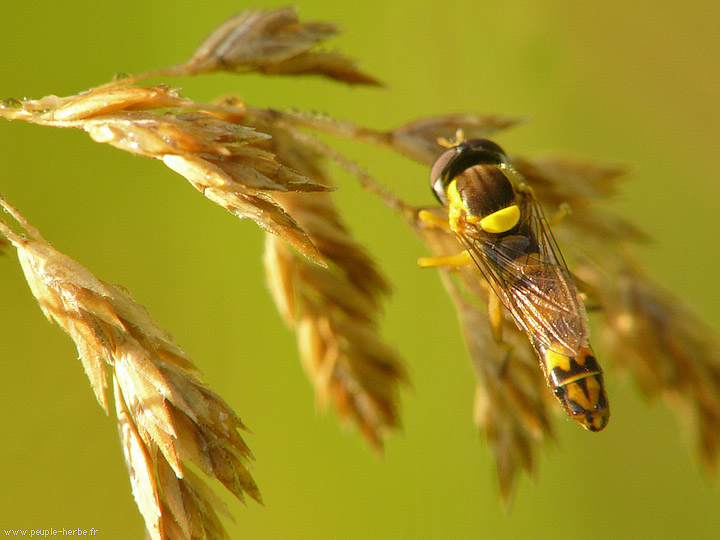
column 165, row 412
column 275, row 43
column 334, row 310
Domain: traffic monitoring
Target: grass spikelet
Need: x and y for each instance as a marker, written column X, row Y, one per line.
column 274, row 43
column 335, row 309
column 215, row 156
column 667, row 349
column 579, row 184
column 166, row 415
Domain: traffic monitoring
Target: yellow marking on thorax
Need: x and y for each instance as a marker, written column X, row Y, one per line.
column 498, row 222
column 456, row 208
column 502, row 220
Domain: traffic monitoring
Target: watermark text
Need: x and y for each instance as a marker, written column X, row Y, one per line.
column 38, row 533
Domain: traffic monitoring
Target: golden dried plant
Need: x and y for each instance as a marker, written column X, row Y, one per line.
column 268, row 166
column 334, row 310
column 167, row 417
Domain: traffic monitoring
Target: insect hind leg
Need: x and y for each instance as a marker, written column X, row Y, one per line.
column 459, row 259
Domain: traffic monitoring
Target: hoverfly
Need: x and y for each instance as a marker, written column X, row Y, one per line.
column 505, row 234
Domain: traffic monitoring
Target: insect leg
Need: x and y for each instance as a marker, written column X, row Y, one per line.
column 459, row 259
column 433, row 221
column 495, row 315
column 437, row 222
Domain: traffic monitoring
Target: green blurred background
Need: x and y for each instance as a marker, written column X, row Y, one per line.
column 636, row 82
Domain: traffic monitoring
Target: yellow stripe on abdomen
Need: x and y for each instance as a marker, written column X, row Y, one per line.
column 577, row 382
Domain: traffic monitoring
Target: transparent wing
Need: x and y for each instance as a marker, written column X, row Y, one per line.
column 527, row 272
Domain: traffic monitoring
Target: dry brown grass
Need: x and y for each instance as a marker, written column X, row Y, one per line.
column 167, row 417
column 266, row 165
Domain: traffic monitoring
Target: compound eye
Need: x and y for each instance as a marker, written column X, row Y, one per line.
column 486, row 151
column 438, row 173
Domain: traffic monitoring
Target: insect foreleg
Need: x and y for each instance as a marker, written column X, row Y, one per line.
column 437, row 222
column 433, row 221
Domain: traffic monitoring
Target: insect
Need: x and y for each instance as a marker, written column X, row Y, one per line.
column 505, row 234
